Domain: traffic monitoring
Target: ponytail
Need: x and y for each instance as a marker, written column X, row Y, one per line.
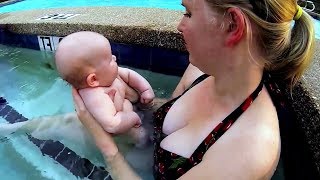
column 297, row 56
column 287, row 48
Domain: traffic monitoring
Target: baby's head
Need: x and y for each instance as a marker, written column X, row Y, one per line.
column 84, row 59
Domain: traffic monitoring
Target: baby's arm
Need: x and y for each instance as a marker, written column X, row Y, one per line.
column 139, row 83
column 124, row 121
column 100, row 105
column 117, row 99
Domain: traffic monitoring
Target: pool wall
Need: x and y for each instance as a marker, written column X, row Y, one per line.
column 156, row 59
column 148, row 39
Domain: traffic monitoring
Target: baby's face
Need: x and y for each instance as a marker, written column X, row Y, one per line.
column 108, row 70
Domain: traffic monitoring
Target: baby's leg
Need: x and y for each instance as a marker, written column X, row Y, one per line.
column 123, row 121
column 138, row 133
column 128, row 107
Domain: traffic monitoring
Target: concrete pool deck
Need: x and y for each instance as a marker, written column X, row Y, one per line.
column 157, row 28
column 142, row 26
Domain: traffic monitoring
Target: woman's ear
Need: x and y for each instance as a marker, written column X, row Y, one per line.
column 92, row 80
column 236, row 26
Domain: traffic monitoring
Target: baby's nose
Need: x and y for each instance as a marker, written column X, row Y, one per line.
column 114, row 58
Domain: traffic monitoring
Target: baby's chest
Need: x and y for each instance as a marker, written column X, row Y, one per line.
column 117, row 86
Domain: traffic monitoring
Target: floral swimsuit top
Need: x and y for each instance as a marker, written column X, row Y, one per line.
column 168, row 165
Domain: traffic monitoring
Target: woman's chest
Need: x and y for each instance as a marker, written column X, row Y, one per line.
column 189, row 121
column 196, row 105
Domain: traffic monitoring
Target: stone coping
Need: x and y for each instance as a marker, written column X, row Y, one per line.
column 311, row 77
column 157, row 28
column 142, row 26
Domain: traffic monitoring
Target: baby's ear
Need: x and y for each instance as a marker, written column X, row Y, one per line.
column 92, row 80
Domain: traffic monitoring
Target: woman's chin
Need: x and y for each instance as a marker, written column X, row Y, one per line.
column 191, row 59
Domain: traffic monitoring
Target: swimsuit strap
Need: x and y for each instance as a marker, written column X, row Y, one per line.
column 169, row 165
column 195, row 82
column 223, row 126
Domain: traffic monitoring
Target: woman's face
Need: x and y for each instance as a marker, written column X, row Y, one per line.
column 202, row 32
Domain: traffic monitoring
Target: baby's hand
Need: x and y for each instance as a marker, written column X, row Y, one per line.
column 147, row 96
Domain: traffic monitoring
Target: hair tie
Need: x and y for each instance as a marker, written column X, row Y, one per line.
column 298, row 13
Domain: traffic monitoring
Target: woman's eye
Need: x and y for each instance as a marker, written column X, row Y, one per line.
column 188, row 15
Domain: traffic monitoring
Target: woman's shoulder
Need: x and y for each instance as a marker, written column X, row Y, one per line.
column 261, row 137
column 189, row 76
column 263, row 120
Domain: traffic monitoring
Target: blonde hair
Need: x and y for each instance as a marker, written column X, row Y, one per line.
column 287, row 49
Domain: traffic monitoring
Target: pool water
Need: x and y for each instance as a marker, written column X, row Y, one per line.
column 29, row 80
column 21, row 159
column 31, row 85
column 11, row 167
column 317, row 28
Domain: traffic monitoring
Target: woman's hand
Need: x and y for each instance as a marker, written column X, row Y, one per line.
column 102, row 139
column 117, row 165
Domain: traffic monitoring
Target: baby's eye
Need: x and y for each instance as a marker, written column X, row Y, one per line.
column 188, row 15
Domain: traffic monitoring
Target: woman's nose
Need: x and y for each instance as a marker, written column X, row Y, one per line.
column 180, row 26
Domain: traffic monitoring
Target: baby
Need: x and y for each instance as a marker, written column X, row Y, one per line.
column 84, row 60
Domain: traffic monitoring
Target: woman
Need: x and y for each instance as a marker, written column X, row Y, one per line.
column 225, row 124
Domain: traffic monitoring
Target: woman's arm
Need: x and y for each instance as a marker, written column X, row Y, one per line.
column 117, row 165
column 190, row 74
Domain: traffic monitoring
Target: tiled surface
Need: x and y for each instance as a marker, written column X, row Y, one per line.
column 78, row 166
column 168, row 61
column 161, row 60
column 154, row 59
column 133, row 56
column 19, row 40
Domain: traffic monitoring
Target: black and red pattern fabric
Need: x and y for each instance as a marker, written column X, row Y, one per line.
column 168, row 165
